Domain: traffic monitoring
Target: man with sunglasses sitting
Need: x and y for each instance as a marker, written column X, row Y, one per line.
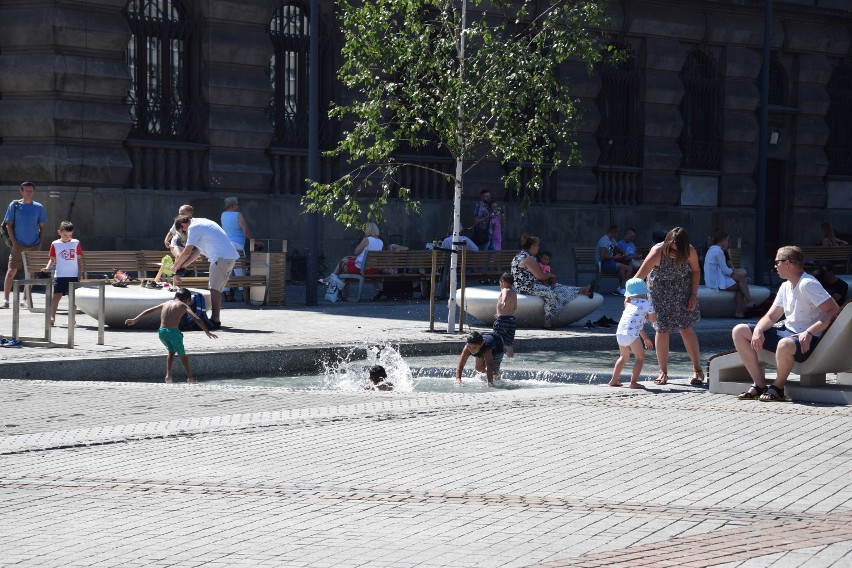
column 808, row 311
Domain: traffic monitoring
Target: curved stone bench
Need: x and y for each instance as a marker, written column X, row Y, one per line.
column 720, row 303
column 124, row 303
column 481, row 303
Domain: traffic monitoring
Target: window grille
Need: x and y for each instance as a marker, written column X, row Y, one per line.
column 289, row 31
column 620, row 131
column 701, row 138
column 160, row 100
column 839, row 117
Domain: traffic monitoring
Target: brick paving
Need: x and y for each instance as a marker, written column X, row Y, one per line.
column 147, row 474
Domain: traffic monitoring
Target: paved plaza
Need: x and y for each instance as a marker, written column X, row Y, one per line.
column 146, row 474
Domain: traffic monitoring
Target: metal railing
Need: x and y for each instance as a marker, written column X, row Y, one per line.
column 72, row 309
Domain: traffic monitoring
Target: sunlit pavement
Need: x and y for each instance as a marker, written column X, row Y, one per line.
column 148, row 474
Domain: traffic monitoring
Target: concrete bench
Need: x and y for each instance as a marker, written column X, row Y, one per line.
column 721, row 303
column 481, row 303
column 728, row 375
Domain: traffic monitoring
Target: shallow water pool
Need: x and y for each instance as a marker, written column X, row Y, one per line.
column 540, row 369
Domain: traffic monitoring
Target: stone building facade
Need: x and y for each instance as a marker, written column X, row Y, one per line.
column 121, row 110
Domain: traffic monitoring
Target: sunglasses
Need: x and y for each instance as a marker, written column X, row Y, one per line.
column 780, row 260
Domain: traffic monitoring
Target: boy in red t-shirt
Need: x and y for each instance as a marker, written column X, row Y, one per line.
column 67, row 254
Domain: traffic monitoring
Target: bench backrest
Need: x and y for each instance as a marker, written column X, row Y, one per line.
column 96, row 263
column 151, row 259
column 492, row 261
column 34, row 260
column 415, row 260
column 106, row 262
column 836, row 255
column 584, row 257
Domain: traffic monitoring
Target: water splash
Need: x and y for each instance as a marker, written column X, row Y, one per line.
column 351, row 373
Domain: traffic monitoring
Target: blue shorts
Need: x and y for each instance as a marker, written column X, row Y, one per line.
column 173, row 340
column 609, row 266
column 775, row 334
column 505, row 326
column 60, row 284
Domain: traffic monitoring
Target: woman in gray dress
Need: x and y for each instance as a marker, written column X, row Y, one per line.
column 673, row 277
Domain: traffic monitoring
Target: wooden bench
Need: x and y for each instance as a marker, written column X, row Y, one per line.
column 96, row 264
column 101, row 265
column 416, row 266
column 198, row 272
column 395, row 266
column 586, row 263
column 840, row 258
column 151, row 260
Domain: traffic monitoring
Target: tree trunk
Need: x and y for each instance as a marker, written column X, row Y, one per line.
column 454, row 257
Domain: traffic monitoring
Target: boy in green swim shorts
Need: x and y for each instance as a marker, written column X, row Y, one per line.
column 170, row 314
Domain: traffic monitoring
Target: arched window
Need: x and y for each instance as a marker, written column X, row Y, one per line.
column 701, row 138
column 160, row 95
column 288, row 72
column 839, row 117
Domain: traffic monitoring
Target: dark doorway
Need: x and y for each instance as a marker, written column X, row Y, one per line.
column 776, row 191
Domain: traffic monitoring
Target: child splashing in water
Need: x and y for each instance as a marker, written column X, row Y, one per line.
column 631, row 331
column 378, row 379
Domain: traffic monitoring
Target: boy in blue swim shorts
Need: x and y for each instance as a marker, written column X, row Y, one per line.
column 171, row 313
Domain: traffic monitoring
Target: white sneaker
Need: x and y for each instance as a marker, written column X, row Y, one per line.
column 4, row 305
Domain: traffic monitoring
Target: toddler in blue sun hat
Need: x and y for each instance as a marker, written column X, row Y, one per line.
column 630, row 333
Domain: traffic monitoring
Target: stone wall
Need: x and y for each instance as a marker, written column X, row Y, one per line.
column 64, row 124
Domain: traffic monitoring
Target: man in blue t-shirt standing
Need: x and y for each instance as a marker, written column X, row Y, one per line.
column 25, row 221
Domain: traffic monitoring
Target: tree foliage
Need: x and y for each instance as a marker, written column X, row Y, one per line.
column 412, row 90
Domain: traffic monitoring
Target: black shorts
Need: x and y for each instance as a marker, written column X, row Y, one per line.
column 505, row 326
column 60, row 285
column 773, row 335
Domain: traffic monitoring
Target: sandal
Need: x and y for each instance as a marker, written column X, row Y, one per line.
column 753, row 392
column 773, row 394
column 697, row 378
column 662, row 379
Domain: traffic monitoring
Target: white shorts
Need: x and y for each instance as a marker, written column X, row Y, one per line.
column 625, row 340
column 219, row 273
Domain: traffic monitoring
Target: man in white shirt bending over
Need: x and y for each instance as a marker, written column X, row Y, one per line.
column 808, row 310
column 208, row 238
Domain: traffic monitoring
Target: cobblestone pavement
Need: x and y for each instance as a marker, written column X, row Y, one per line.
column 147, row 474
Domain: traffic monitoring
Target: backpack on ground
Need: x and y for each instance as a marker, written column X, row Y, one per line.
column 198, row 307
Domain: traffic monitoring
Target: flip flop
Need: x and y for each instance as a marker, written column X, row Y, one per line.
column 663, row 379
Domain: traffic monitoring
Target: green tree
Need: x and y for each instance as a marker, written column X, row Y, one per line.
column 470, row 79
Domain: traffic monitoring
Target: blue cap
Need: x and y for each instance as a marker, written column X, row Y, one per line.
column 635, row 287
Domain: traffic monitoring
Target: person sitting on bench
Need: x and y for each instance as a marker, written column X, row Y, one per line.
column 808, row 311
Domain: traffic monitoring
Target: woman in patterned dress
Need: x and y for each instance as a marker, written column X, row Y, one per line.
column 673, row 276
column 531, row 280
